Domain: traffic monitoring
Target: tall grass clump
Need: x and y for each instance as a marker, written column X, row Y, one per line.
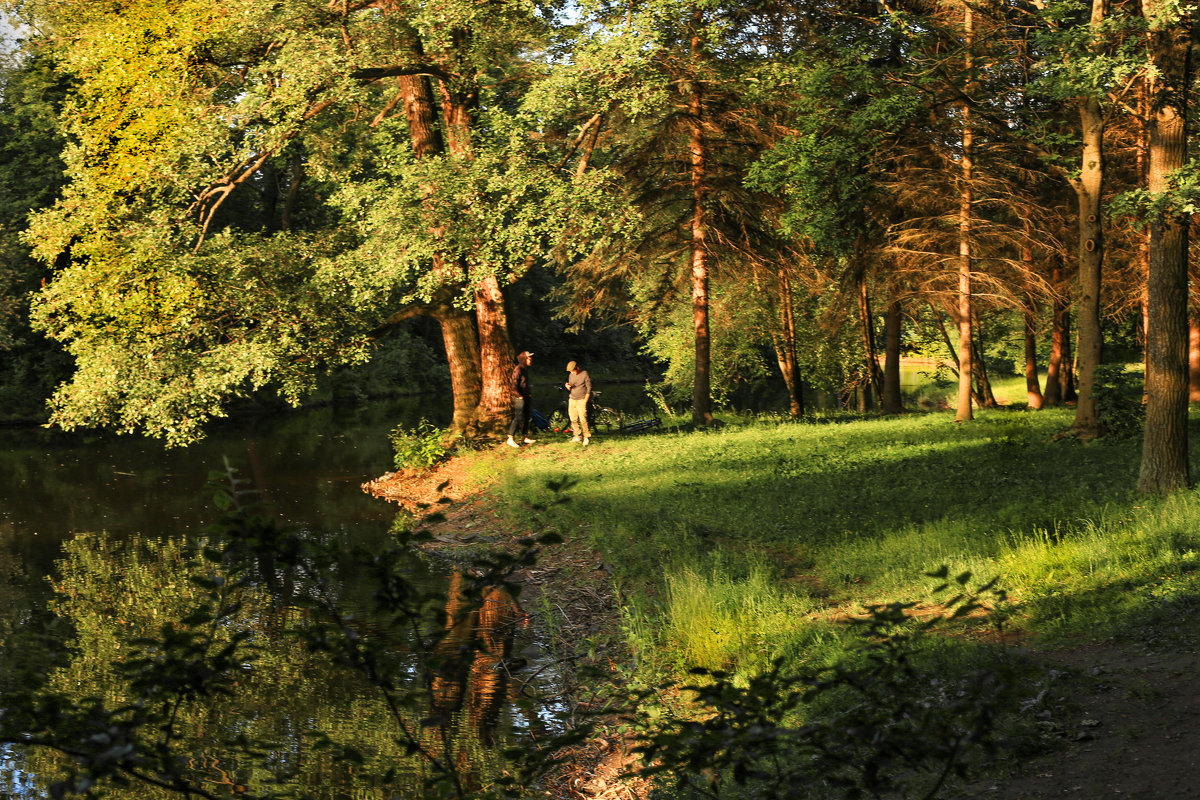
column 716, row 622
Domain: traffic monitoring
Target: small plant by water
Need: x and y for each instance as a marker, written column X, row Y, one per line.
column 419, row 447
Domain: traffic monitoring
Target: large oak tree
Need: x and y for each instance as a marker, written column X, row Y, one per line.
column 256, row 188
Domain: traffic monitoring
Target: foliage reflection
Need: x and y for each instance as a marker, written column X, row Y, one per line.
column 271, row 664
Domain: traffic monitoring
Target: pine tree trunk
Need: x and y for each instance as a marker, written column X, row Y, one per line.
column 870, row 355
column 786, row 349
column 1066, row 370
column 1058, row 311
column 965, row 366
column 985, row 384
column 1088, row 187
column 1142, row 161
column 1164, row 447
column 1193, row 360
column 1033, row 390
column 702, row 388
column 892, row 403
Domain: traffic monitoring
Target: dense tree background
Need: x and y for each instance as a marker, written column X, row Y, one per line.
column 238, row 199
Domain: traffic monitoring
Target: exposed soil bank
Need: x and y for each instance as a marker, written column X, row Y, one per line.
column 570, row 579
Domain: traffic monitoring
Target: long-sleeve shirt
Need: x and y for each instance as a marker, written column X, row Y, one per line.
column 580, row 384
column 518, row 381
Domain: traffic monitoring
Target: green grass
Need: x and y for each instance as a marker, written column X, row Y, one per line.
column 741, row 544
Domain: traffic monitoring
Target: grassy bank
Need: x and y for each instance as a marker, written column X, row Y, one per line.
column 742, row 544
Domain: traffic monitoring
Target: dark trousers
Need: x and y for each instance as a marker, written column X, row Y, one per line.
column 522, row 413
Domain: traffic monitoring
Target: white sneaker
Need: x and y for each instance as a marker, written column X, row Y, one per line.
column 511, row 443
column 575, row 439
column 529, row 441
column 585, row 442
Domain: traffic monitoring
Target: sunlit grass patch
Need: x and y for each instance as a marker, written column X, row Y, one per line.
column 715, row 621
column 740, row 530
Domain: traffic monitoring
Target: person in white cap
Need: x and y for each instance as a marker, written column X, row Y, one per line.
column 581, row 391
column 518, row 383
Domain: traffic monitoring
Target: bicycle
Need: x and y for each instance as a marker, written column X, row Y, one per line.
column 600, row 418
column 605, row 419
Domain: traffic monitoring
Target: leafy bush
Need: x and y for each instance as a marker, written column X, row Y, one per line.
column 421, row 446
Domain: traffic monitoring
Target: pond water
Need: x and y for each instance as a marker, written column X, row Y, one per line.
column 100, row 521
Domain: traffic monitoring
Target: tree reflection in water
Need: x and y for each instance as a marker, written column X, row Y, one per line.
column 474, row 658
column 320, row 691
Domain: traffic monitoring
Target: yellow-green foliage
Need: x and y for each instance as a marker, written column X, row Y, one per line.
column 719, row 622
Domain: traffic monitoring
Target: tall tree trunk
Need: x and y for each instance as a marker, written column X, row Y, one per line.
column 965, row 222
column 891, row 401
column 459, row 328
column 1143, row 171
column 702, row 388
column 867, row 326
column 495, row 343
column 1058, row 337
column 781, row 327
column 495, row 356
column 461, row 340
column 981, row 376
column 783, row 341
column 1164, row 447
column 419, row 109
column 1193, row 360
column 1033, row 390
column 1066, row 370
column 965, row 366
column 1088, row 187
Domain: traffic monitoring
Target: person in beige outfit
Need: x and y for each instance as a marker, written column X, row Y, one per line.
column 581, row 391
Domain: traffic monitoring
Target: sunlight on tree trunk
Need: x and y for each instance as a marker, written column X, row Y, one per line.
column 702, row 390
column 1193, row 360
column 1088, row 188
column 1033, row 390
column 1164, row 448
column 965, row 370
column 462, row 354
column 1053, row 395
column 495, row 356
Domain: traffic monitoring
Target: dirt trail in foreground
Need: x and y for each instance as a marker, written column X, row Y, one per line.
column 1133, row 730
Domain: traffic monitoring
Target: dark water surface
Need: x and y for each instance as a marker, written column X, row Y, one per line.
column 104, row 494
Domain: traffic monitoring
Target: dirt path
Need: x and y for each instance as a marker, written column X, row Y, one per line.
column 1132, row 728
column 1126, row 722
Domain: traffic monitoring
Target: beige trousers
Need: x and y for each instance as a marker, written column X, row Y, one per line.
column 577, row 410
